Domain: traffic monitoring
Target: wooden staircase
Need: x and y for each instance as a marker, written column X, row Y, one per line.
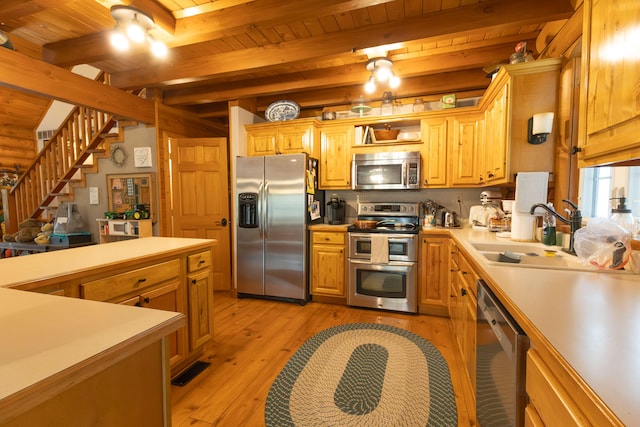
column 72, row 150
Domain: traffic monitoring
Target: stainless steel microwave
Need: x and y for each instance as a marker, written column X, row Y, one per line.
column 386, row 171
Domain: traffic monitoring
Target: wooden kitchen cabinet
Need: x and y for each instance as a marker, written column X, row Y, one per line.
column 433, row 284
column 154, row 286
column 299, row 136
column 434, row 134
column 466, row 146
column 200, row 285
column 335, row 157
column 517, row 92
column 328, row 266
column 463, row 304
column 609, row 125
column 494, row 157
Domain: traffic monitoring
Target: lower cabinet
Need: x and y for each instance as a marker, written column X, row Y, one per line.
column 182, row 284
column 462, row 305
column 328, row 262
column 433, row 280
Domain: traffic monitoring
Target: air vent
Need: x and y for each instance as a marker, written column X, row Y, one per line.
column 44, row 135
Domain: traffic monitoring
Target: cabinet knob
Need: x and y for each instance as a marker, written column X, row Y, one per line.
column 142, row 280
column 194, row 281
column 463, row 292
column 146, row 300
column 201, row 262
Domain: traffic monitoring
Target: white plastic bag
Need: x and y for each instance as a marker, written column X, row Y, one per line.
column 603, row 244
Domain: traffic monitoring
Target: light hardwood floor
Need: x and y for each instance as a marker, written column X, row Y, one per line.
column 255, row 338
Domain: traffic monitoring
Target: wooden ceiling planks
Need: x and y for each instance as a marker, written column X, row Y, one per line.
column 299, row 47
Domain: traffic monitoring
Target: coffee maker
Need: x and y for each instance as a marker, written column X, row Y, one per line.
column 335, row 210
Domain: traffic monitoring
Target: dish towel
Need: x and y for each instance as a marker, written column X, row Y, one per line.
column 379, row 249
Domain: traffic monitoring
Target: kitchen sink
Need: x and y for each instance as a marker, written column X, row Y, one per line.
column 532, row 255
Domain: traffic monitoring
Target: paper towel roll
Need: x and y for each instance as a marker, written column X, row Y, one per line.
column 523, row 227
column 531, row 188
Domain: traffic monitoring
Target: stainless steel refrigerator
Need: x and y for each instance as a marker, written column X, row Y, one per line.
column 277, row 198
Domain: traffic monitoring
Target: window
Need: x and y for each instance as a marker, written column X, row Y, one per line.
column 599, row 185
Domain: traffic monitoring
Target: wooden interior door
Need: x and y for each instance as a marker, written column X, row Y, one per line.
column 200, row 198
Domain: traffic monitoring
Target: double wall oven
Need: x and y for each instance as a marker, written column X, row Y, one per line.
column 383, row 261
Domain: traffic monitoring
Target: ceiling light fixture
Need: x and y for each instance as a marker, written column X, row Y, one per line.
column 132, row 27
column 381, row 71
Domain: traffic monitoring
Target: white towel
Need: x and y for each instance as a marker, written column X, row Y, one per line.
column 531, row 188
column 379, row 249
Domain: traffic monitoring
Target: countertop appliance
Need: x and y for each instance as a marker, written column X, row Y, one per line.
column 383, row 260
column 386, row 171
column 277, row 197
column 501, row 347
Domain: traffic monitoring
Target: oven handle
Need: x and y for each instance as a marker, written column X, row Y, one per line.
column 390, row 263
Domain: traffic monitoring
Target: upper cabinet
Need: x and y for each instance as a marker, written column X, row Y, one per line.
column 289, row 137
column 609, row 127
column 517, row 92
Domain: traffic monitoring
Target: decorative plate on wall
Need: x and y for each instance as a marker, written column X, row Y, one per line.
column 282, row 110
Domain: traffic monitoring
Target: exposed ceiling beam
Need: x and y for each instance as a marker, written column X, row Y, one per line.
column 22, row 73
column 488, row 15
column 202, row 28
column 352, row 74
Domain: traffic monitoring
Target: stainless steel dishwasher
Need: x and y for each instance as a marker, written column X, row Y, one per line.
column 501, row 347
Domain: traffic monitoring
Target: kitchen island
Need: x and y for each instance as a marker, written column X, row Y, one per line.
column 81, row 359
column 583, row 324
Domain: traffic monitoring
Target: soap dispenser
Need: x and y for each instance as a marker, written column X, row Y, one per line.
column 621, row 215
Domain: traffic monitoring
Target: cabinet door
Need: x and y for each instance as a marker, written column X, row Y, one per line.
column 293, row 139
column 610, row 117
column 328, row 270
column 495, row 139
column 470, row 320
column 434, row 275
column 335, row 164
column 262, row 142
column 434, row 152
column 467, row 131
column 170, row 298
column 200, row 305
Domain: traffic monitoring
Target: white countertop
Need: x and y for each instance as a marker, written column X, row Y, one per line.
column 49, row 342
column 591, row 318
column 30, row 268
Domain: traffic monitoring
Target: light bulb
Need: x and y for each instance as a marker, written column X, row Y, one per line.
column 158, row 48
column 383, row 74
column 394, row 82
column 118, row 40
column 135, row 32
column 370, row 86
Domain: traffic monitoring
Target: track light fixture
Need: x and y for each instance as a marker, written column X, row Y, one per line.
column 381, row 71
column 132, row 27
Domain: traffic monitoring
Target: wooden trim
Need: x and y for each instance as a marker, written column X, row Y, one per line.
column 24, row 74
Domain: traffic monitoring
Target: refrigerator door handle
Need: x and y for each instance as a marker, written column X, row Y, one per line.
column 266, row 209
column 260, row 209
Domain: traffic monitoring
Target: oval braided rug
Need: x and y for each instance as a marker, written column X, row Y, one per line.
column 363, row 374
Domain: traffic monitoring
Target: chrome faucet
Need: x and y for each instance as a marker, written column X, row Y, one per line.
column 574, row 220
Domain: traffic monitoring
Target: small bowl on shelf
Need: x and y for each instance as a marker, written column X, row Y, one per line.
column 386, row 134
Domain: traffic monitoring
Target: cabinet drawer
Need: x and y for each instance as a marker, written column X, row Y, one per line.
column 551, row 401
column 199, row 261
column 122, row 284
column 328, row 237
